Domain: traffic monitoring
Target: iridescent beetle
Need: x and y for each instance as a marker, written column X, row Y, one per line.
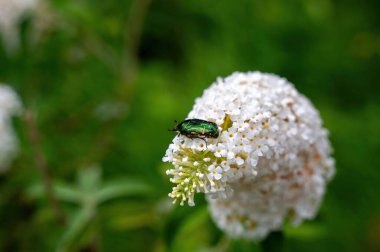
column 197, row 128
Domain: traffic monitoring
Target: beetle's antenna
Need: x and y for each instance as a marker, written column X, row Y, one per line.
column 174, row 129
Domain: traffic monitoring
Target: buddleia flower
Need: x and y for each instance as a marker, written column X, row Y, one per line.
column 271, row 161
column 9, row 105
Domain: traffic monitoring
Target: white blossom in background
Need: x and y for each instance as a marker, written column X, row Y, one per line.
column 9, row 105
column 11, row 13
column 271, row 161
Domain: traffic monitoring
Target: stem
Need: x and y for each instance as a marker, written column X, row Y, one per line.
column 274, row 242
column 41, row 165
column 132, row 36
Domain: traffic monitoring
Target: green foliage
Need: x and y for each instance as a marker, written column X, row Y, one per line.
column 85, row 60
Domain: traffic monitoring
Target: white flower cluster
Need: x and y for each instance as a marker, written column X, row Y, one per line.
column 11, row 12
column 271, row 161
column 9, row 105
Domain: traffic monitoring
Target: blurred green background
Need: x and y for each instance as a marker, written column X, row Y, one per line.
column 106, row 79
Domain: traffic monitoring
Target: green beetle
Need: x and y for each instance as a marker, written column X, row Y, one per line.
column 197, row 128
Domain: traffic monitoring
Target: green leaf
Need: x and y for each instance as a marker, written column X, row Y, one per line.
column 89, row 178
column 63, row 192
column 306, row 231
column 68, row 194
column 76, row 227
column 132, row 216
column 123, row 188
column 193, row 235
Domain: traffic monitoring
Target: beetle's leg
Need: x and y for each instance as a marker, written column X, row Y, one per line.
column 203, row 138
column 182, row 140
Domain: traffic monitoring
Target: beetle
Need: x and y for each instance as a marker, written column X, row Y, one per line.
column 197, row 128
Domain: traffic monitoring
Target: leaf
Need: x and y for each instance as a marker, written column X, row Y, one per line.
column 193, row 234
column 89, row 178
column 307, row 231
column 123, row 188
column 132, row 215
column 63, row 192
column 74, row 231
column 132, row 221
column 68, row 193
